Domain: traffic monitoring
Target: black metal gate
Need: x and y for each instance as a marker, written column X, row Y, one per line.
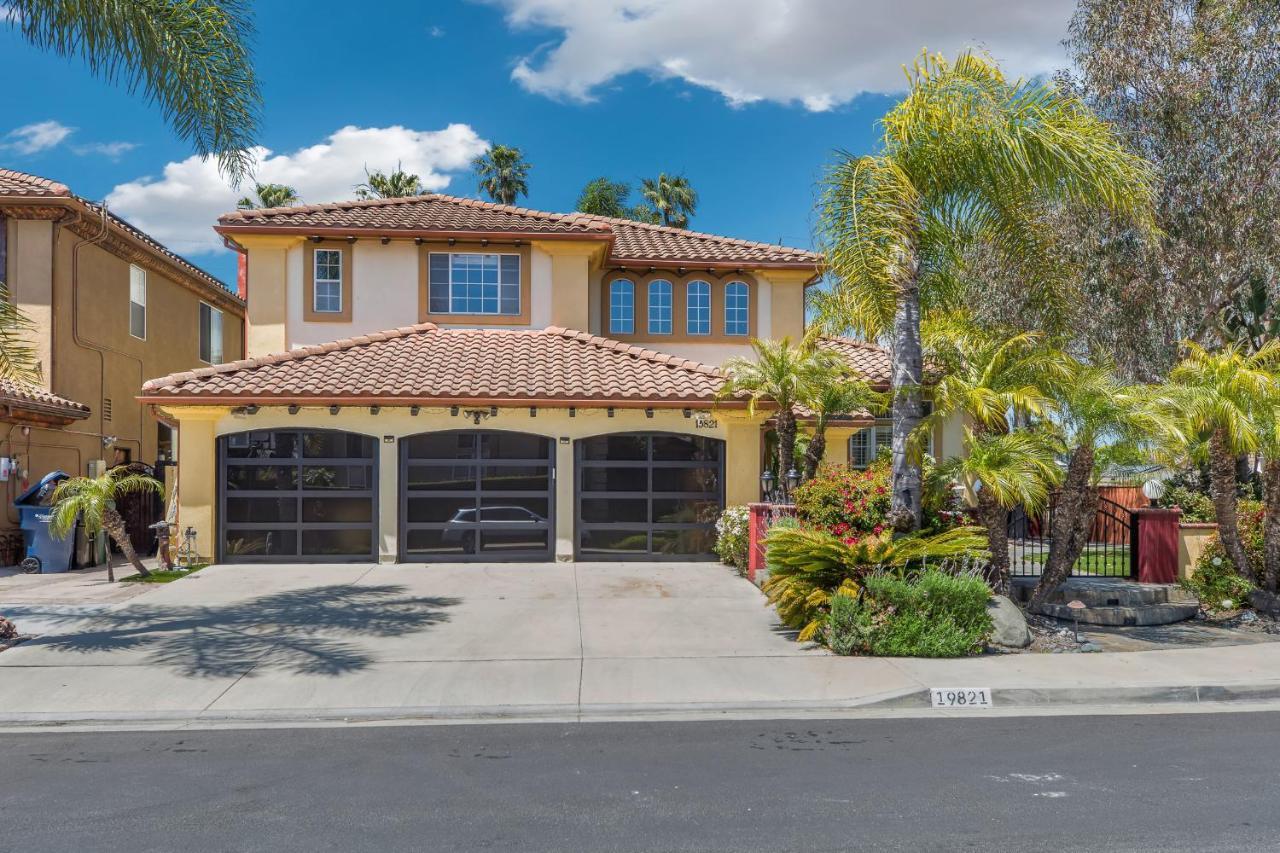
column 1110, row 551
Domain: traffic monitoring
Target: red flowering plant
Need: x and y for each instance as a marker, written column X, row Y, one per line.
column 846, row 502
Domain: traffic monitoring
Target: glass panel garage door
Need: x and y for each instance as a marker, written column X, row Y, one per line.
column 648, row 496
column 292, row 495
column 476, row 495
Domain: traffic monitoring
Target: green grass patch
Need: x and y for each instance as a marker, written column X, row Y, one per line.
column 163, row 576
column 1107, row 563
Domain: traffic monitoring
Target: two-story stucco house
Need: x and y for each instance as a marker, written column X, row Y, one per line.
column 110, row 307
column 437, row 378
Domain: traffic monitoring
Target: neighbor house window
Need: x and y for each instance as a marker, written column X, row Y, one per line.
column 866, row 445
column 659, row 307
column 698, row 303
column 622, row 307
column 737, row 316
column 137, row 302
column 327, row 284
column 474, row 283
column 210, row 334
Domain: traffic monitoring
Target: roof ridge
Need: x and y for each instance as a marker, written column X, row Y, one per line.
column 651, row 355
column 685, row 232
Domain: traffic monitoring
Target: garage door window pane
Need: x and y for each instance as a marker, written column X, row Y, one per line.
column 680, row 511
column 330, row 543
column 514, row 478
column 499, row 541
column 617, row 448
column 441, row 478
column 442, row 445
column 261, row 543
column 349, row 477
column 517, row 510
column 512, row 445
column 440, row 510
column 615, row 479
column 336, row 445
column 440, row 543
column 261, row 510
column 686, row 480
column 245, row 478
column 337, row 510
column 685, row 448
column 615, row 541
column 615, row 510
column 683, row 541
column 262, row 445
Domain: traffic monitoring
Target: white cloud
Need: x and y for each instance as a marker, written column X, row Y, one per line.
column 37, row 137
column 819, row 53
column 180, row 208
column 110, row 150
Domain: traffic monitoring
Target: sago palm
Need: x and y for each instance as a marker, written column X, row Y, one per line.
column 394, row 184
column 672, row 197
column 191, row 57
column 503, row 173
column 93, row 501
column 967, row 158
column 1223, row 401
column 831, row 396
column 780, row 374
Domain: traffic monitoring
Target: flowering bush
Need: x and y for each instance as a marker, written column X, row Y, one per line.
column 732, row 536
column 1215, row 581
column 847, row 503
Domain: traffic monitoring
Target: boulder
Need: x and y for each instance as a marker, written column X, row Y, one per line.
column 1009, row 626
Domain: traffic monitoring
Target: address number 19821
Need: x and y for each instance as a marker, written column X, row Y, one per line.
column 961, row 697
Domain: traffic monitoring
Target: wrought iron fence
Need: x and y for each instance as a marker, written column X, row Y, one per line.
column 1111, row 549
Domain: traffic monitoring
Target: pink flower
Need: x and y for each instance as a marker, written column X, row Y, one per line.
column 877, row 530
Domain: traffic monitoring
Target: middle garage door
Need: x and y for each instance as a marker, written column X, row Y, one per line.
column 476, row 495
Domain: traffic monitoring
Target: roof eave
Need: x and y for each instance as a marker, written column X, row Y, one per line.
column 400, row 400
column 469, row 234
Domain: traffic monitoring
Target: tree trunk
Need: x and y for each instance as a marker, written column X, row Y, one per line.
column 114, row 525
column 1073, row 517
column 1271, row 524
column 908, row 373
column 1222, row 487
column 786, row 448
column 816, row 450
column 995, row 519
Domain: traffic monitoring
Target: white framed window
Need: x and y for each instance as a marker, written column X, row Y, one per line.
column 698, row 308
column 137, row 302
column 474, row 283
column 866, row 444
column 660, row 303
column 326, row 284
column 210, row 334
column 737, row 308
column 622, row 307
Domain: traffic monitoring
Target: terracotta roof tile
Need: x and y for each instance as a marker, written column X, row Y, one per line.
column 25, row 395
column 871, row 362
column 20, row 183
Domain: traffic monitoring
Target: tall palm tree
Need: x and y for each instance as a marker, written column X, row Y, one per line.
column 395, row 184
column 269, row 195
column 192, row 58
column 1223, row 400
column 503, row 173
column 93, row 501
column 781, row 374
column 671, row 197
column 830, row 396
column 967, row 158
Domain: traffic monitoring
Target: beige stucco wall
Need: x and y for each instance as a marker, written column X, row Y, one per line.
column 267, row 316
column 786, row 302
column 30, row 281
column 202, row 425
column 1192, row 541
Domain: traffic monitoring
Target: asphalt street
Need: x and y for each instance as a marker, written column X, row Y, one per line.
column 1171, row 782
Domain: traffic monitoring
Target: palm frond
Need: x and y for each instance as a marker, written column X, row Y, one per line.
column 19, row 359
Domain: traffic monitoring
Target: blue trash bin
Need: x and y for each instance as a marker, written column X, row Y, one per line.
column 45, row 552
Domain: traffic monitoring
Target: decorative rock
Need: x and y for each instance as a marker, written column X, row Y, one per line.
column 1009, row 625
column 1091, row 647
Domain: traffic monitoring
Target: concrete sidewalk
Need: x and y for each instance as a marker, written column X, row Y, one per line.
column 554, row 641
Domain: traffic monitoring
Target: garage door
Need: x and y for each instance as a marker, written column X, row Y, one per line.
column 648, row 496
column 482, row 495
column 291, row 495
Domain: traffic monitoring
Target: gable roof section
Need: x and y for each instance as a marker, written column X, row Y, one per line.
column 430, row 365
column 434, row 214
column 28, row 398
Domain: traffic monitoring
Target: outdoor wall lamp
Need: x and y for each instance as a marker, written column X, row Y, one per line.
column 793, row 480
column 333, row 410
column 766, row 484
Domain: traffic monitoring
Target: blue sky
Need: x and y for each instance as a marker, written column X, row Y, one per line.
column 747, row 98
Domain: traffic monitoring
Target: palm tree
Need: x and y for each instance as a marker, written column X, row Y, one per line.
column 830, row 396
column 1223, row 400
column 783, row 375
column 269, row 195
column 968, row 158
column 603, row 197
column 397, row 184
column 670, row 197
column 93, row 501
column 18, row 358
column 192, row 59
column 503, row 173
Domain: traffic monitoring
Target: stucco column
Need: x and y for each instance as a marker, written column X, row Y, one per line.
column 742, row 461
column 268, row 303
column 565, row 478
column 198, row 481
column 388, row 501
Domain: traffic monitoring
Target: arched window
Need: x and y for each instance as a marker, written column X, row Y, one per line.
column 659, row 307
column 698, row 308
column 737, row 310
column 622, row 307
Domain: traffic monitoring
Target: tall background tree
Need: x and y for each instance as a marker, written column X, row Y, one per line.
column 394, row 184
column 606, row 197
column 503, row 173
column 967, row 159
column 191, row 57
column 672, row 197
column 269, row 195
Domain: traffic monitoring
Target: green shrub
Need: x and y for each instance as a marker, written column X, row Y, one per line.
column 846, row 502
column 1196, row 506
column 1215, row 581
column 932, row 614
column 733, row 529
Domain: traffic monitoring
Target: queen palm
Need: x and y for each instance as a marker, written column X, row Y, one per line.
column 269, row 195
column 783, row 375
column 831, row 396
column 672, row 197
column 967, row 158
column 503, row 173
column 191, row 58
column 1224, row 400
column 394, row 184
column 93, row 501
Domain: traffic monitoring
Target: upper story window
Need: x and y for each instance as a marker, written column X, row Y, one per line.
column 622, row 307
column 698, row 308
column 137, row 302
column 474, row 283
column 865, row 445
column 210, row 334
column 660, row 304
column 737, row 308
column 327, row 288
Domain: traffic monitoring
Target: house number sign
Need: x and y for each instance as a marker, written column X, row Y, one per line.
column 961, row 697
column 705, row 421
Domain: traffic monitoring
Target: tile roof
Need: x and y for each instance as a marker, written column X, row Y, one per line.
column 433, row 212
column 24, row 395
column 426, row 363
column 871, row 362
column 20, row 183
